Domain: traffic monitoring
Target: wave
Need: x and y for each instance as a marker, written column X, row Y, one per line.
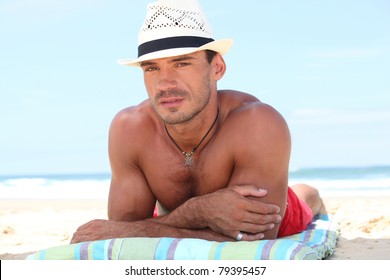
column 44, row 188
column 372, row 181
column 342, row 172
column 349, row 187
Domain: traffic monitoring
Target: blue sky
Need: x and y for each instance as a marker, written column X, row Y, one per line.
column 325, row 65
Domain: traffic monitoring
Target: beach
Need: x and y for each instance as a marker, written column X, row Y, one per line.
column 27, row 226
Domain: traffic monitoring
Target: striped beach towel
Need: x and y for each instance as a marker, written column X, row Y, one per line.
column 315, row 243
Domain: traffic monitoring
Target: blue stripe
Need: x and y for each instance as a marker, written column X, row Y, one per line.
column 218, row 250
column 290, row 250
column 76, row 251
column 42, row 255
column 98, row 252
column 278, row 252
column 163, row 248
column 259, row 250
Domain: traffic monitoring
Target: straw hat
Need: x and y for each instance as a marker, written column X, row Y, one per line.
column 175, row 27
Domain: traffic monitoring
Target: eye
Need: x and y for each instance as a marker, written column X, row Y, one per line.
column 182, row 64
column 150, row 68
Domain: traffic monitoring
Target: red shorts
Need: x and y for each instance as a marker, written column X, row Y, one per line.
column 297, row 217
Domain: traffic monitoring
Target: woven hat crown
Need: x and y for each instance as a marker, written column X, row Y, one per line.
column 175, row 27
column 172, row 18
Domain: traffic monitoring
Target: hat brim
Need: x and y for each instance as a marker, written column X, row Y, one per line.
column 220, row 46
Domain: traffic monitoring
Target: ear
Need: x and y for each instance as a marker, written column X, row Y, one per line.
column 219, row 67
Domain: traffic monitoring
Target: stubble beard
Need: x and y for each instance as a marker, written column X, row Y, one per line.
column 176, row 116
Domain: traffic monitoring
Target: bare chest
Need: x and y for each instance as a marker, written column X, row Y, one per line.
column 173, row 181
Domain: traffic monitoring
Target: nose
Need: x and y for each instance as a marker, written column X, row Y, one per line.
column 166, row 80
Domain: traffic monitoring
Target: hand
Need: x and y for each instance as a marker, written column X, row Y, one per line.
column 238, row 208
column 99, row 230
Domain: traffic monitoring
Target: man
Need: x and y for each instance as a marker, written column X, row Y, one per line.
column 216, row 162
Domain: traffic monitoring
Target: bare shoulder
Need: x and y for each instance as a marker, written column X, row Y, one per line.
column 130, row 129
column 252, row 128
column 247, row 111
column 135, row 120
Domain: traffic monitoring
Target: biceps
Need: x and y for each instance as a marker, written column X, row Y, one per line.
column 265, row 169
column 130, row 198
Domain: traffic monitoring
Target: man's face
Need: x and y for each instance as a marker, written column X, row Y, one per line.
column 178, row 87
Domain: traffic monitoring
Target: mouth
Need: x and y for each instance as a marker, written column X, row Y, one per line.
column 171, row 101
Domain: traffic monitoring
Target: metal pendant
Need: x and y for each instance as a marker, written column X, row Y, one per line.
column 188, row 161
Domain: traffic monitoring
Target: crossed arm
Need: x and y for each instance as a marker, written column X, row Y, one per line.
column 186, row 223
column 219, row 216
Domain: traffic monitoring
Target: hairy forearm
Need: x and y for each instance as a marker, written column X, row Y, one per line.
column 107, row 229
column 228, row 212
column 157, row 229
column 218, row 216
column 187, row 216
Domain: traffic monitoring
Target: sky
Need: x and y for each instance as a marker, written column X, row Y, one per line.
column 324, row 65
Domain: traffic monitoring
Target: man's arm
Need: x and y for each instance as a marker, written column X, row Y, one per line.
column 226, row 212
column 255, row 200
column 263, row 157
column 131, row 202
column 130, row 198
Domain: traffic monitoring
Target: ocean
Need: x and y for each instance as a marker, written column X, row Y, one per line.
column 331, row 182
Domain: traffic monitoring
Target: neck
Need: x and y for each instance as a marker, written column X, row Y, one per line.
column 194, row 133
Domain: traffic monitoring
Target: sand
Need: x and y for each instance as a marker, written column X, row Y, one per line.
column 364, row 228
column 27, row 226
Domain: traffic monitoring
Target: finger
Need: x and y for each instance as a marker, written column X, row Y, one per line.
column 253, row 237
column 256, row 228
column 263, row 208
column 74, row 239
column 250, row 190
column 249, row 237
column 261, row 219
column 254, row 193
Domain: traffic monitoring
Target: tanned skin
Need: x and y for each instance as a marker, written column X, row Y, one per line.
column 239, row 176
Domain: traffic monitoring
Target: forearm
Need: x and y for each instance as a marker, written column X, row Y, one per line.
column 157, row 229
column 187, row 216
column 106, row 229
column 218, row 216
column 227, row 212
